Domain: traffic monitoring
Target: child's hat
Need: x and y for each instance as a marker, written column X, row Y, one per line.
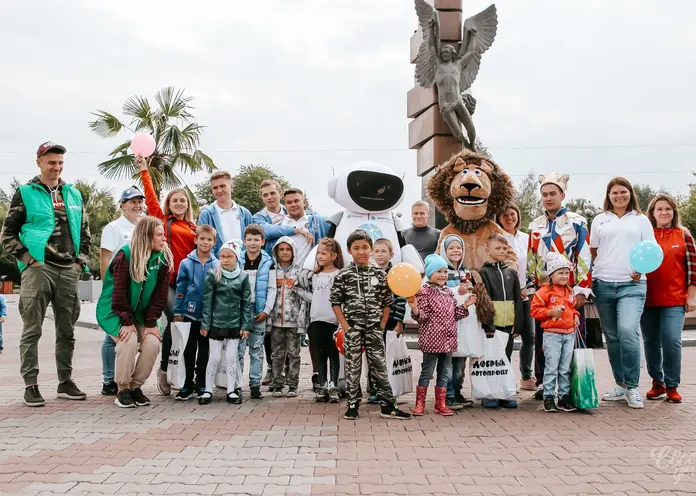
column 556, row 262
column 235, row 245
column 433, row 263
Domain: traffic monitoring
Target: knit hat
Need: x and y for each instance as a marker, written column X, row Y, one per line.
column 556, row 262
column 433, row 263
column 235, row 245
column 554, row 178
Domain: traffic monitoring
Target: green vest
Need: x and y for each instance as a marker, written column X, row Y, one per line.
column 41, row 219
column 139, row 294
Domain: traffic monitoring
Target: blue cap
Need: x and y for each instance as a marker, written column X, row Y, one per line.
column 131, row 193
column 433, row 263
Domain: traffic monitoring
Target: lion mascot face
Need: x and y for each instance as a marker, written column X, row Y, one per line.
column 470, row 190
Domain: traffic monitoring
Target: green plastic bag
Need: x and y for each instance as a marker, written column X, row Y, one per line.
column 583, row 389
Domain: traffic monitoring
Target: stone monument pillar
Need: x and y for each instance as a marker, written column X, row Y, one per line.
column 427, row 132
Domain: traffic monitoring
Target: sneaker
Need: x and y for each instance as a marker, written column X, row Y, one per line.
column 234, row 398
column 528, row 384
column 292, row 392
column 238, row 392
column 32, row 396
column 205, row 399
column 393, row 412
column 256, row 392
column 68, row 390
column 465, row 402
column 372, row 400
column 633, row 398
column 489, row 403
column 539, row 395
column 673, row 396
column 268, row 378
column 201, row 391
column 139, row 398
column 507, row 403
column 550, row 404
column 351, row 413
column 110, row 389
column 163, row 386
column 315, row 382
column 566, row 404
column 321, row 396
column 616, row 394
column 303, row 342
column 658, row 391
column 184, row 394
column 453, row 404
column 277, row 392
column 124, row 399
column 333, row 394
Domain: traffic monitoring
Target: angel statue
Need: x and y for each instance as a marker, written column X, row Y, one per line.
column 454, row 71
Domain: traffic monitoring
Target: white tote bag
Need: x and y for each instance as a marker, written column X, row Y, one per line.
column 399, row 368
column 470, row 335
column 176, row 366
column 221, row 375
column 492, row 377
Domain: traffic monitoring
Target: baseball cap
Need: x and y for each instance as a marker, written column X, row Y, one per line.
column 49, row 146
column 131, row 193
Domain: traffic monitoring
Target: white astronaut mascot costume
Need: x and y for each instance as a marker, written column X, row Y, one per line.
column 368, row 192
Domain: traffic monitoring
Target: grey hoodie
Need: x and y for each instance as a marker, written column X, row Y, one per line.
column 288, row 305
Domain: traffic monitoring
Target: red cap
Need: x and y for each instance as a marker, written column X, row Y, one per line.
column 49, row 146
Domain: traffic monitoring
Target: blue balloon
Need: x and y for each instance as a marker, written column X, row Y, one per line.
column 646, row 257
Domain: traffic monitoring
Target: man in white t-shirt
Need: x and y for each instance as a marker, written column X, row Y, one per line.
column 116, row 235
column 301, row 222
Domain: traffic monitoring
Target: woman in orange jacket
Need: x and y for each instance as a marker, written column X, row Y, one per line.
column 671, row 293
column 177, row 216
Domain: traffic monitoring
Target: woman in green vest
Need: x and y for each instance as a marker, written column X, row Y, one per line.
column 132, row 300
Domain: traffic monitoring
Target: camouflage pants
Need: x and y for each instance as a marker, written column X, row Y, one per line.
column 285, row 340
column 372, row 338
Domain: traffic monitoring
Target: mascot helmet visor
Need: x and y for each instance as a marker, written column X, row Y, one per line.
column 374, row 191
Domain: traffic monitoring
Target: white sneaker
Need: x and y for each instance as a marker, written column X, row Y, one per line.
column 163, row 385
column 616, row 394
column 633, row 398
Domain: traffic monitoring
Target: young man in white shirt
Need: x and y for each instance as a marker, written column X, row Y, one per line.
column 227, row 217
column 116, row 235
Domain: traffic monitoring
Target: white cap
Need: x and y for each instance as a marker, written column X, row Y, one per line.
column 555, row 262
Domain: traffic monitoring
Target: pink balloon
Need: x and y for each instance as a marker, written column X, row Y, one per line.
column 143, row 144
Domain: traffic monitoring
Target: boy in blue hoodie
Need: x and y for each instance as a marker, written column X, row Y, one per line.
column 262, row 277
column 188, row 307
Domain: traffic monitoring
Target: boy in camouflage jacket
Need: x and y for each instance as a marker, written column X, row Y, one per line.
column 360, row 299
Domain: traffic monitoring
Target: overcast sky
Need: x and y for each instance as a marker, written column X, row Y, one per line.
column 590, row 88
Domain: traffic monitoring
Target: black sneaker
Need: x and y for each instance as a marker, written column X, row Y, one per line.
column 184, row 394
column 139, row 398
column 110, row 389
column 32, row 396
column 70, row 391
column 566, row 404
column 550, row 404
column 315, row 382
column 234, row 398
column 205, row 399
column 292, row 392
column 393, row 413
column 453, row 404
column 321, row 396
column 465, row 402
column 238, row 392
column 539, row 395
column 256, row 392
column 124, row 399
column 351, row 413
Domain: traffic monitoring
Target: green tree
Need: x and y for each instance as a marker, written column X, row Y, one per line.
column 245, row 186
column 8, row 264
column 527, row 199
column 176, row 135
column 687, row 208
column 645, row 193
column 101, row 209
column 583, row 207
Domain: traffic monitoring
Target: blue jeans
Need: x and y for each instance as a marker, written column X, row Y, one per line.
column 558, row 351
column 444, row 369
column 255, row 345
column 108, row 355
column 662, row 338
column 456, row 377
column 620, row 306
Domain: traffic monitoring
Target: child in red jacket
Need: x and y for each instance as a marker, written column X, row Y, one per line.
column 554, row 306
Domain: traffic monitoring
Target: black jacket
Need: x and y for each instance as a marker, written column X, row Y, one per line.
column 503, row 286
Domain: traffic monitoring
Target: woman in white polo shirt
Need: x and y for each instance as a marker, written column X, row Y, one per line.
column 619, row 290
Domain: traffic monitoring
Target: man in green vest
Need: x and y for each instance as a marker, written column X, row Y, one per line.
column 47, row 231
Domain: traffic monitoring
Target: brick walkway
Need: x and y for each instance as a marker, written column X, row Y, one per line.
column 295, row 446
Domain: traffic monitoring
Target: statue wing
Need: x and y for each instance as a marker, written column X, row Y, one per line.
column 486, row 25
column 427, row 54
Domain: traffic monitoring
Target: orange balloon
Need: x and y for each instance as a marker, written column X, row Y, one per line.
column 404, row 280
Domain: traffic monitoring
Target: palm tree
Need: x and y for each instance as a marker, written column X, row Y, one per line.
column 170, row 124
column 101, row 209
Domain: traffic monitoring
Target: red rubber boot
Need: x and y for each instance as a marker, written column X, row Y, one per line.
column 440, row 405
column 419, row 410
